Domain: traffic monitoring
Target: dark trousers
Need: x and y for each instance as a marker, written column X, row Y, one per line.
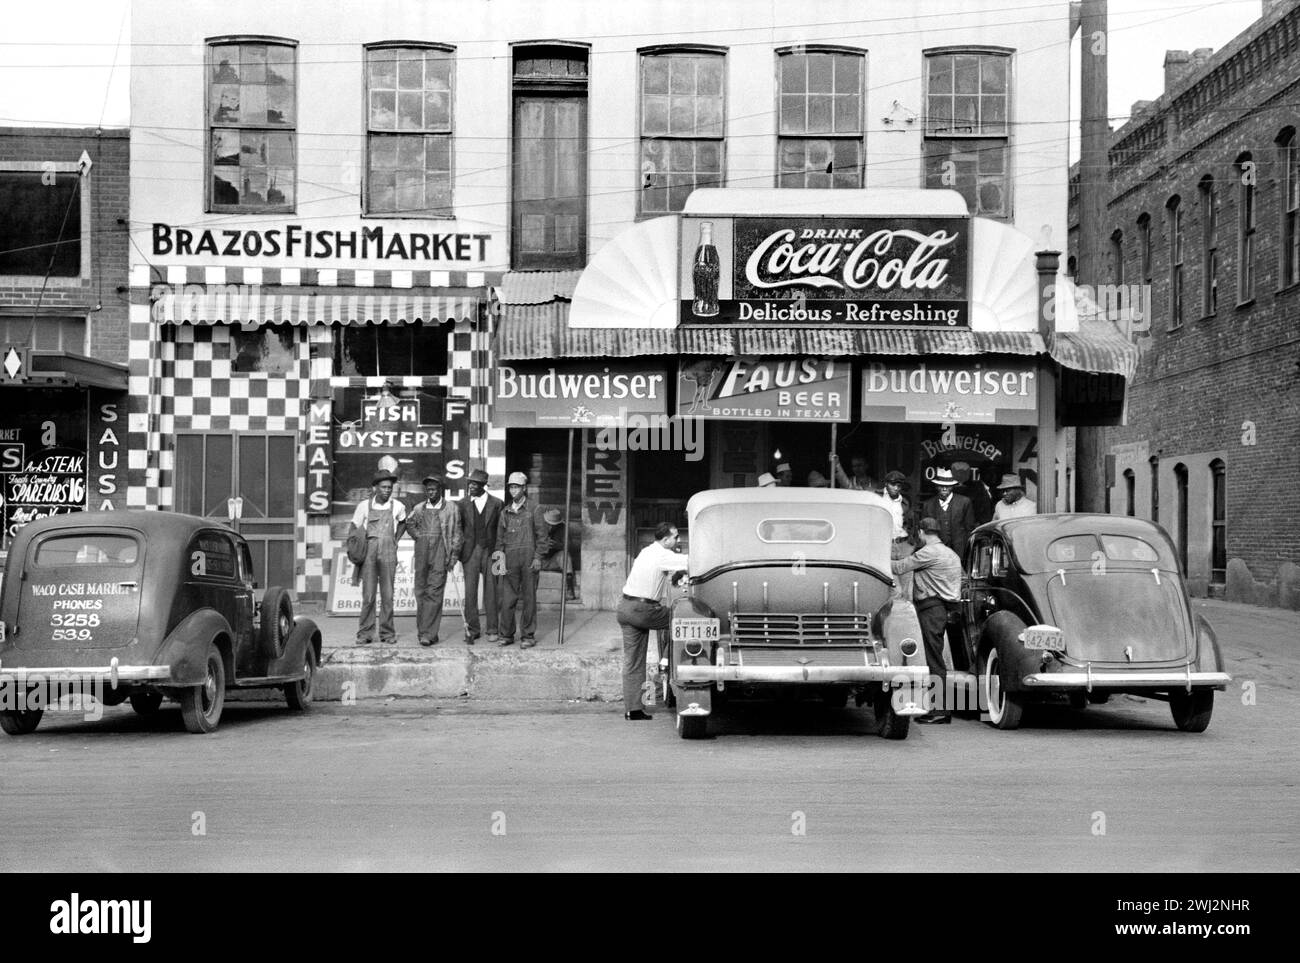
column 932, row 613
column 479, row 565
column 378, row 573
column 519, row 588
column 638, row 617
column 430, row 586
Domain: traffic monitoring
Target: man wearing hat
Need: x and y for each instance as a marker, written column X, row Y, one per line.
column 383, row 518
column 480, row 513
column 523, row 539
column 936, row 587
column 559, row 554
column 784, row 475
column 434, row 524
column 953, row 512
column 766, row 480
column 973, row 488
column 1013, row 504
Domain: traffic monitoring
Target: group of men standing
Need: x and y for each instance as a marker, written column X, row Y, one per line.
column 503, row 544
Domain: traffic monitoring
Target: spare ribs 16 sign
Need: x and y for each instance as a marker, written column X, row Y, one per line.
column 887, row 272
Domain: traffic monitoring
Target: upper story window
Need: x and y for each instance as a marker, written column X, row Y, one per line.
column 967, row 107
column 408, row 130
column 252, row 120
column 683, row 125
column 1245, row 229
column 1144, row 246
column 820, row 110
column 1174, row 212
column 1117, row 258
column 41, row 227
column 1209, row 248
column 1289, row 162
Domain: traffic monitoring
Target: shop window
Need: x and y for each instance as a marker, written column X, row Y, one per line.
column 1245, row 229
column 967, row 111
column 1180, row 514
column 549, row 157
column 392, row 350
column 1130, row 492
column 1144, row 246
column 409, row 130
column 45, row 333
column 1174, row 214
column 41, row 227
column 268, row 349
column 1209, row 248
column 252, row 124
column 683, row 123
column 1289, row 166
column 1219, row 523
column 820, row 111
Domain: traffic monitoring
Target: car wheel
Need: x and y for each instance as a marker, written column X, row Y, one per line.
column 20, row 722
column 1004, row 708
column 692, row 727
column 1192, row 710
column 298, row 694
column 889, row 724
column 277, row 621
column 146, row 703
column 201, row 704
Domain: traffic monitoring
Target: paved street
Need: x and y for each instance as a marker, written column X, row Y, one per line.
column 422, row 784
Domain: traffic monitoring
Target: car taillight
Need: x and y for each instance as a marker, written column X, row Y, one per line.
column 694, row 648
column 909, row 648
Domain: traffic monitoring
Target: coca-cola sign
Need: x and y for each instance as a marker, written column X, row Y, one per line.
column 889, row 272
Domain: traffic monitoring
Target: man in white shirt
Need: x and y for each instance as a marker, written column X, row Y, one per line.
column 1014, row 504
column 640, row 611
column 383, row 518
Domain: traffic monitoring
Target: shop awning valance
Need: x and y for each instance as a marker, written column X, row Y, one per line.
column 255, row 305
column 541, row 331
column 62, row 369
column 1097, row 346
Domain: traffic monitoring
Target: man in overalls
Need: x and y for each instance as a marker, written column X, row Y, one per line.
column 383, row 518
column 523, row 540
column 434, row 524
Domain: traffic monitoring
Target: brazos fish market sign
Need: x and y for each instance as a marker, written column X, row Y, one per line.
column 759, row 389
column 538, row 396
column 1005, row 393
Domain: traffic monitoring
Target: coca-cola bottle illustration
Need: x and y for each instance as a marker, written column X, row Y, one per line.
column 704, row 274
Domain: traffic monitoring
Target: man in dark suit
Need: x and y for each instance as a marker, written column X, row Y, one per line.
column 480, row 513
column 955, row 517
column 973, row 488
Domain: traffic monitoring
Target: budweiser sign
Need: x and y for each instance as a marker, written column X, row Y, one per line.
column 900, row 272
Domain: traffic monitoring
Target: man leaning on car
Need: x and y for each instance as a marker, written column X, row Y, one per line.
column 936, row 586
column 640, row 611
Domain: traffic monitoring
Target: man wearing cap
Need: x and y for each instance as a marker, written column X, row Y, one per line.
column 936, row 587
column 383, row 518
column 970, row 486
column 640, row 611
column 1013, row 503
column 480, row 513
column 434, row 524
column 523, row 539
column 953, row 512
column 784, row 475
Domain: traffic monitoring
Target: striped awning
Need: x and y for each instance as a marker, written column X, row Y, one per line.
column 542, row 331
column 255, row 305
column 1098, row 347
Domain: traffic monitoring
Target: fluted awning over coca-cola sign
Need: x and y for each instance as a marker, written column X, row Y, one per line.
column 881, row 271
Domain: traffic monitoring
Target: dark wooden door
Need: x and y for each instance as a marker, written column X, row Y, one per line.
column 549, row 203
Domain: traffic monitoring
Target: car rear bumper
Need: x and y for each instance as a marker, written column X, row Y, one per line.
column 112, row 675
column 1125, row 679
column 800, row 675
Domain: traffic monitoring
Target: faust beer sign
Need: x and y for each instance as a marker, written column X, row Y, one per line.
column 887, row 272
column 760, row 389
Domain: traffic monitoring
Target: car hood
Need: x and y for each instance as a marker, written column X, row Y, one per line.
column 1120, row 616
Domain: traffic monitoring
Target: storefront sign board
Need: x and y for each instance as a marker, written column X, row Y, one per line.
column 345, row 598
column 579, row 395
column 993, row 391
column 763, row 389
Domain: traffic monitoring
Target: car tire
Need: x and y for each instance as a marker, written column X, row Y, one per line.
column 277, row 621
column 201, row 705
column 889, row 724
column 1004, row 708
column 692, row 727
column 146, row 703
column 1192, row 710
column 298, row 694
column 20, row 722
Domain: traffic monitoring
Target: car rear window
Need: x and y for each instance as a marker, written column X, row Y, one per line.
column 815, row 530
column 1073, row 548
column 1118, row 548
column 1123, row 548
column 86, row 549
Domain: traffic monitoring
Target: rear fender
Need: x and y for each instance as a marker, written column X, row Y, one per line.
column 895, row 623
column 684, row 608
column 1003, row 629
column 186, row 647
column 1209, row 657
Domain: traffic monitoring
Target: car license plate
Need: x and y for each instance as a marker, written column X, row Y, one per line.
column 696, row 630
column 1044, row 637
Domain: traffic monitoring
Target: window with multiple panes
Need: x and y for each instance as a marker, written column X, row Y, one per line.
column 1174, row 211
column 1245, row 229
column 391, row 350
column 1209, row 248
column 409, row 130
column 683, row 125
column 252, row 120
column 820, row 117
column 1289, row 164
column 967, row 109
column 1218, row 522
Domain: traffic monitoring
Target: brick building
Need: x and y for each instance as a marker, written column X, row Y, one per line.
column 63, row 321
column 1204, row 213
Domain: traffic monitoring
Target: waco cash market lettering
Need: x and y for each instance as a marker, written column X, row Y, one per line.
column 294, row 240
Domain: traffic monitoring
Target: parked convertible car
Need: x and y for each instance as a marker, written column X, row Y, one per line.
column 1086, row 606
column 791, row 589
column 143, row 605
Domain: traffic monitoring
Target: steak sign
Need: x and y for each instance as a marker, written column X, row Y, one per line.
column 909, row 272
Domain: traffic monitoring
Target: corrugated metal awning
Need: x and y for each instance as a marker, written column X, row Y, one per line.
column 537, row 287
column 1097, row 346
column 253, row 305
column 541, row 331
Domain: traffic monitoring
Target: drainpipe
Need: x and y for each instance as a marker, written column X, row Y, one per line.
column 1048, row 263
